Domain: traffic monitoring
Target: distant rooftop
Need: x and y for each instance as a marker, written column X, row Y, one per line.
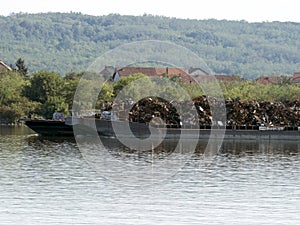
column 4, row 66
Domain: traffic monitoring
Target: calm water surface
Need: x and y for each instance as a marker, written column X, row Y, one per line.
column 48, row 181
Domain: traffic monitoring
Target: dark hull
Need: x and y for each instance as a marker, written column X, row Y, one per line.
column 108, row 128
column 50, row 127
column 90, row 126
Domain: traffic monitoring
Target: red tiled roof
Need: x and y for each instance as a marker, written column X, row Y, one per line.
column 182, row 74
column 296, row 78
column 126, row 71
column 275, row 80
column 3, row 65
column 267, row 80
column 151, row 71
column 296, row 75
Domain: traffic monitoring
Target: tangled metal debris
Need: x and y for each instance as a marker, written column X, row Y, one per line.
column 238, row 113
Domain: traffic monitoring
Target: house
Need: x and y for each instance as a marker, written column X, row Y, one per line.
column 187, row 76
column 296, row 78
column 3, row 66
column 268, row 80
column 182, row 75
column 281, row 80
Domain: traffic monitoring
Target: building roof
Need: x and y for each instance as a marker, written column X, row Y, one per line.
column 296, row 78
column 152, row 71
column 296, row 74
column 4, row 66
column 184, row 75
column 267, row 80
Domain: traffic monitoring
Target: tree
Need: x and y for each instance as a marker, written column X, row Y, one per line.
column 124, row 81
column 43, row 85
column 47, row 89
column 13, row 104
column 21, row 68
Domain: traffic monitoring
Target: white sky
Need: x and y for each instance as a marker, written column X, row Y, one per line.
column 250, row 10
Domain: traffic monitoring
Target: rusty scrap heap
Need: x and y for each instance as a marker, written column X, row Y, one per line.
column 253, row 113
column 148, row 108
column 238, row 113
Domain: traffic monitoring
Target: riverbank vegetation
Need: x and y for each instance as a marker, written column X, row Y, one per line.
column 42, row 93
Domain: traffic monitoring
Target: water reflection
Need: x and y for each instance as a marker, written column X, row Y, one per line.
column 237, row 147
column 47, row 181
column 14, row 130
column 229, row 147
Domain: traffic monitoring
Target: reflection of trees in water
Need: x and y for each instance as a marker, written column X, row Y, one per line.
column 51, row 146
column 14, row 130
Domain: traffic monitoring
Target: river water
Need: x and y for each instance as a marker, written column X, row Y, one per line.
column 49, row 181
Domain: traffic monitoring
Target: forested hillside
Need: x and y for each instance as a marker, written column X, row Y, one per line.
column 64, row 42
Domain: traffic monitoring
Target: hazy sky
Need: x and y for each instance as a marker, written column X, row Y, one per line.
column 250, row 10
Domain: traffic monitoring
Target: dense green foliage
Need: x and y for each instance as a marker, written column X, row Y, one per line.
column 13, row 104
column 47, row 89
column 64, row 42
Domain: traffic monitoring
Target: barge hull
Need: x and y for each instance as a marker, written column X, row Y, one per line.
column 89, row 126
column 50, row 127
column 105, row 128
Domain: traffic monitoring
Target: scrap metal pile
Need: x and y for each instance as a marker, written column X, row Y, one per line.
column 238, row 113
column 148, row 108
column 253, row 113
